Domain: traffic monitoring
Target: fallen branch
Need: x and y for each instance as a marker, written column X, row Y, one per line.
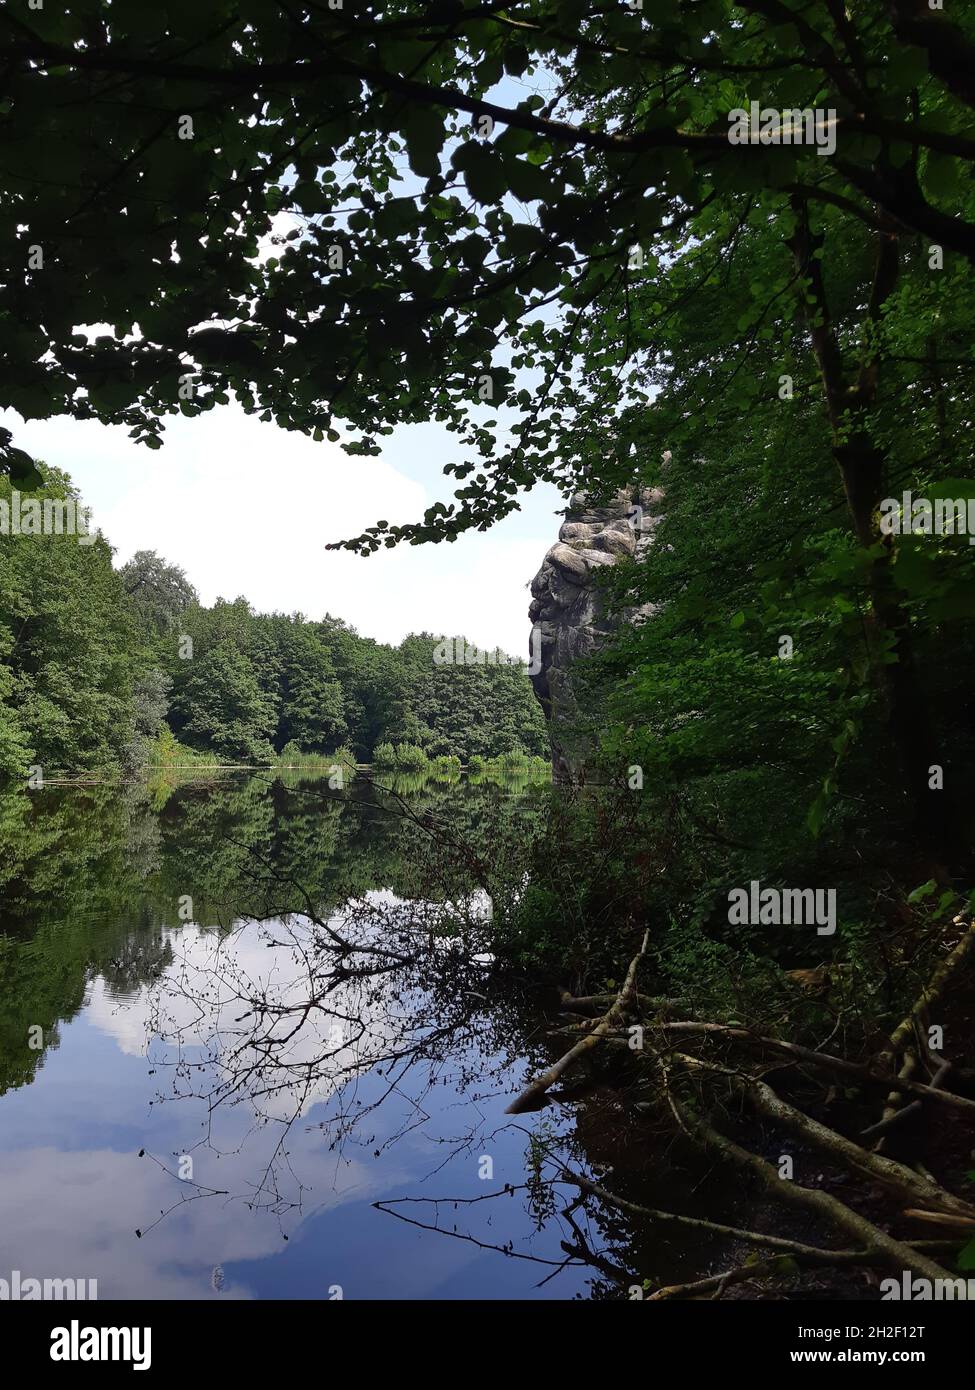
column 875, row 1167
column 941, row 1218
column 778, row 1265
column 824, row 1060
column 893, row 1116
column 571, row 1003
column 932, row 992
column 895, row 1253
column 779, row 1243
column 534, row 1093
column 895, row 1101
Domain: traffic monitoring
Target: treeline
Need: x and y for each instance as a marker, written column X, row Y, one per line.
column 105, row 668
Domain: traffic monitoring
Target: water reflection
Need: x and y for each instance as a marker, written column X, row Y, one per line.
column 261, row 1009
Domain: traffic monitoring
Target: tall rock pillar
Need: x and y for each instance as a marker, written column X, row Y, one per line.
column 567, row 612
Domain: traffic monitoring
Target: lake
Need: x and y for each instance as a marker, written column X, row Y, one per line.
column 237, row 1014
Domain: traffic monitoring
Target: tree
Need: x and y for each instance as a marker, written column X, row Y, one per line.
column 69, row 646
column 467, row 230
column 310, row 698
column 369, row 674
column 150, row 705
column 160, row 592
column 479, row 704
column 787, row 333
column 221, row 706
column 16, row 753
column 415, row 286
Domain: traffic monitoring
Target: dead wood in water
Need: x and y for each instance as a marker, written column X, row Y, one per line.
column 693, row 1065
column 893, row 1176
column 536, row 1091
column 742, row 1068
column 855, row 1070
column 895, row 1253
column 770, row 1242
column 931, row 993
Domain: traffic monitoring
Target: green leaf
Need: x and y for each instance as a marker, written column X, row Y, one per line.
column 22, row 469
column 484, row 174
column 943, row 176
column 966, row 1256
column 815, row 816
column 424, row 134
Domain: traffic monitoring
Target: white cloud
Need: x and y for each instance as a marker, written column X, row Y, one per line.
column 199, row 998
column 44, row 1189
column 247, row 508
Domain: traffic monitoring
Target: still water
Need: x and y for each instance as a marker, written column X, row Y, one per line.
column 236, row 1016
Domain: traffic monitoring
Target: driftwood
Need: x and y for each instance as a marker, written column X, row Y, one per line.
column 931, row 993
column 894, row 1253
column 613, row 1015
column 892, row 1114
column 886, row 1172
column 824, row 1060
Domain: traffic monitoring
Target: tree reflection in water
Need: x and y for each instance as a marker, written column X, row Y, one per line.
column 378, row 1005
column 332, row 993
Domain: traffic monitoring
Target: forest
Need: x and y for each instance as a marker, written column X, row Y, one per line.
column 711, row 258
column 104, row 667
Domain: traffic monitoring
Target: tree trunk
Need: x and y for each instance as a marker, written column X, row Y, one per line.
column 862, row 466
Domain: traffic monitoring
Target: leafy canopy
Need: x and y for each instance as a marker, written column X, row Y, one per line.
column 450, row 185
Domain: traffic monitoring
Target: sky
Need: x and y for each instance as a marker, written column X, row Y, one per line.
column 246, row 508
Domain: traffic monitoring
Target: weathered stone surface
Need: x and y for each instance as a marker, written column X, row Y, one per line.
column 616, row 542
column 567, row 610
column 571, row 564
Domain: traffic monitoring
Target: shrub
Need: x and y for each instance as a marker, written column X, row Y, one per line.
column 408, row 755
column 166, row 751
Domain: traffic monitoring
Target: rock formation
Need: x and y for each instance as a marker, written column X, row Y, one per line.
column 567, row 611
